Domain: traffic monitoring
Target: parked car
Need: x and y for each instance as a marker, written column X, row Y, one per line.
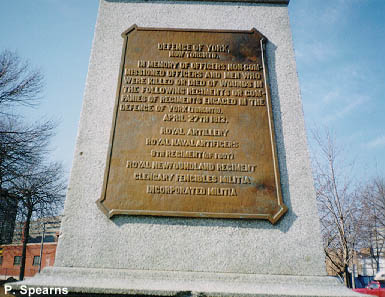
column 374, row 288
column 380, row 276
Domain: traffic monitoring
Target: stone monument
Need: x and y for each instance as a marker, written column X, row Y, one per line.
column 191, row 173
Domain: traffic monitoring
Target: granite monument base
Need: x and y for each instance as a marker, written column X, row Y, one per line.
column 122, row 282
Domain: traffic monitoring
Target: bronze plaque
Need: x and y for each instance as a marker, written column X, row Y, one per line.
column 193, row 132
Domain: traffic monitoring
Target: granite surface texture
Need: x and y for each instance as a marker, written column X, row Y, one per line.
column 89, row 239
column 219, row 1
column 160, row 256
column 119, row 282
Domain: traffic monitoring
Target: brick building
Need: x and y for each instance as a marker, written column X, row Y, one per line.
column 10, row 259
column 10, row 254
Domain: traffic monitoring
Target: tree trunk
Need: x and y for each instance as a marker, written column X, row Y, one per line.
column 25, row 241
column 347, row 276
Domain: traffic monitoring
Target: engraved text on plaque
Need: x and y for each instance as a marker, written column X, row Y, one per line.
column 193, row 131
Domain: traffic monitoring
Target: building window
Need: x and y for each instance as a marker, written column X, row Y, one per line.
column 1, row 260
column 17, row 260
column 36, row 261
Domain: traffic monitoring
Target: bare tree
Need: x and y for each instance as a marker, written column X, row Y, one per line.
column 19, row 83
column 24, row 146
column 338, row 205
column 41, row 193
column 21, row 147
column 20, row 144
column 374, row 223
column 25, row 176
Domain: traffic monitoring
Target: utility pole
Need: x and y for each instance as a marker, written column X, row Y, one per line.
column 41, row 247
column 354, row 277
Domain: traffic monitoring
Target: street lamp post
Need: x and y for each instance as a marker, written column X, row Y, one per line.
column 41, row 247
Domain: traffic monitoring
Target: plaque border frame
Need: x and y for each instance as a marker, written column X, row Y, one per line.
column 271, row 218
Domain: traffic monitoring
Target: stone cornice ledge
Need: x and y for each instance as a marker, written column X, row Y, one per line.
column 99, row 282
column 286, row 2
